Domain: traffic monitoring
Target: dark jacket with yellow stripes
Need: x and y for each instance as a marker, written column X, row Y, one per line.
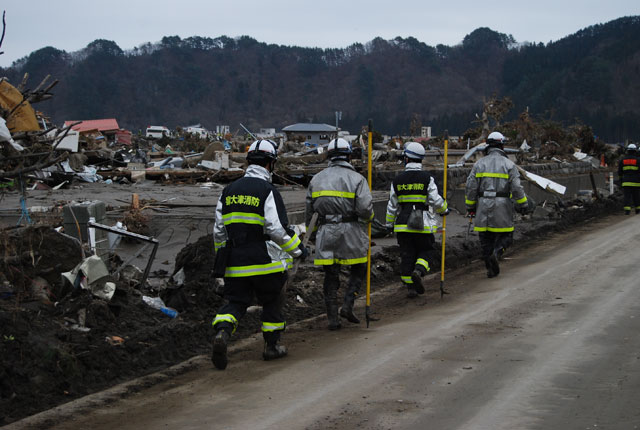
column 629, row 171
column 251, row 221
column 414, row 188
column 494, row 180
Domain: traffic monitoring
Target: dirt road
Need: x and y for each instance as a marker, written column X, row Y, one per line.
column 551, row 343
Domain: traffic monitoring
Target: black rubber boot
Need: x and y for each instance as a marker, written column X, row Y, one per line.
column 489, row 266
column 346, row 311
column 416, row 277
column 273, row 351
column 493, row 261
column 332, row 316
column 219, row 354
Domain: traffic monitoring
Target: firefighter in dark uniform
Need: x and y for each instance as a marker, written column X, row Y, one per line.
column 254, row 248
column 629, row 174
column 412, row 192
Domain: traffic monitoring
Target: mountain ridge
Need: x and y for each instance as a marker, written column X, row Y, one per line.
column 590, row 75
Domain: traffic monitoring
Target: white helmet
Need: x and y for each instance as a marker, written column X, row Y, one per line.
column 262, row 150
column 414, row 150
column 632, row 147
column 339, row 148
column 496, row 138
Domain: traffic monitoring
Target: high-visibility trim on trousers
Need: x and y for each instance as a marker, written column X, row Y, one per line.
column 272, row 326
column 631, row 184
column 225, row 318
column 406, row 279
column 424, row 263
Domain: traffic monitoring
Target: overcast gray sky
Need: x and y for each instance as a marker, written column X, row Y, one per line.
column 71, row 24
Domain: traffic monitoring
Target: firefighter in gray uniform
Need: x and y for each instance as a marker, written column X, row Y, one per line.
column 494, row 180
column 342, row 199
column 412, row 193
column 254, row 248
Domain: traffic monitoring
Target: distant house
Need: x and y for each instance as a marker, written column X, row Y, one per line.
column 425, row 132
column 101, row 130
column 105, row 126
column 266, row 133
column 312, row 133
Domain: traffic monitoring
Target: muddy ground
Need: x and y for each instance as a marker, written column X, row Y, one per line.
column 46, row 360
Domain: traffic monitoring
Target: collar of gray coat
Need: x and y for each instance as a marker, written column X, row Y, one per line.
column 341, row 163
column 413, row 166
column 256, row 171
column 498, row 150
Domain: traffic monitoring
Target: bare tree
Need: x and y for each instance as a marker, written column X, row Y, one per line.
column 4, row 27
column 497, row 108
column 416, row 125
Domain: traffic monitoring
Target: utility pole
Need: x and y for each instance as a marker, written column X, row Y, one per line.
column 338, row 117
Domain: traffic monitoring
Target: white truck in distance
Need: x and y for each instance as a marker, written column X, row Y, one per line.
column 157, row 132
column 200, row 132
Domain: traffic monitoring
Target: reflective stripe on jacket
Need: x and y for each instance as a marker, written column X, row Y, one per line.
column 629, row 171
column 493, row 181
column 340, row 193
column 251, row 221
column 413, row 187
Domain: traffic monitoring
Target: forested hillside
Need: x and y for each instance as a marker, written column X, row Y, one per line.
column 591, row 75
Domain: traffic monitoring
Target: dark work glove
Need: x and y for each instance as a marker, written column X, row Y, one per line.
column 522, row 209
column 471, row 213
column 445, row 213
column 389, row 229
column 305, row 253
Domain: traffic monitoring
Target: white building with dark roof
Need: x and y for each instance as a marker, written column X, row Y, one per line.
column 312, row 133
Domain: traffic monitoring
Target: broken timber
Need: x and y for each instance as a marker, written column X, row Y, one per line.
column 544, row 183
column 177, row 174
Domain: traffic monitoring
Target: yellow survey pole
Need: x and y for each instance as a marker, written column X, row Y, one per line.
column 369, row 150
column 444, row 218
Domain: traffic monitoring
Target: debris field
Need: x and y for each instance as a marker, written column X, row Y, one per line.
column 58, row 342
